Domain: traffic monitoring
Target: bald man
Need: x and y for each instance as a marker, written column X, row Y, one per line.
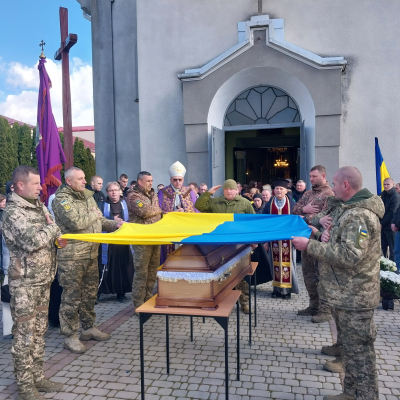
column 391, row 200
column 348, row 253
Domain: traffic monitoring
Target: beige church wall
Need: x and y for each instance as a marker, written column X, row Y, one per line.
column 174, row 35
column 364, row 32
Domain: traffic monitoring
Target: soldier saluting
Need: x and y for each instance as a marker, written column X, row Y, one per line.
column 348, row 259
column 31, row 236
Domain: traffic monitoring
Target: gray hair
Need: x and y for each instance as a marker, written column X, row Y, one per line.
column 112, row 184
column 300, row 181
column 269, row 190
column 70, row 171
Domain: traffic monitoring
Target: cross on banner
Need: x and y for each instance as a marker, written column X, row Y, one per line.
column 67, row 41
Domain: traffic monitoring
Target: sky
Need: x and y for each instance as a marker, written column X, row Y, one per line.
column 23, row 24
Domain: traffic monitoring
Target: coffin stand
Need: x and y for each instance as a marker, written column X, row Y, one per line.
column 201, row 275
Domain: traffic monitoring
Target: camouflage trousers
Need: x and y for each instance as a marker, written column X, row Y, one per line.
column 312, row 283
column 244, row 297
column 356, row 337
column 146, row 260
column 29, row 311
column 79, row 280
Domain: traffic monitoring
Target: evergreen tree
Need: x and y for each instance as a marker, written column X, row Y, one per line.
column 84, row 159
column 34, row 163
column 25, row 146
column 6, row 163
column 91, row 165
column 15, row 132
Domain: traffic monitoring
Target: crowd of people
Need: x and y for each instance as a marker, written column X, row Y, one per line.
column 351, row 228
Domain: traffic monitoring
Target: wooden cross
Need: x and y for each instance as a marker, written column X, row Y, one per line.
column 260, row 7
column 67, row 41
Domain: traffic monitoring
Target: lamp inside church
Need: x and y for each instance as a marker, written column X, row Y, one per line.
column 281, row 163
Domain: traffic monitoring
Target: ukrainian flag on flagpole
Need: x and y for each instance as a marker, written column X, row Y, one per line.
column 381, row 170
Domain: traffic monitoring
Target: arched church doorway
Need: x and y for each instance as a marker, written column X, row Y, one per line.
column 263, row 136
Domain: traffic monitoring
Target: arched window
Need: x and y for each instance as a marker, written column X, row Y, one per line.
column 262, row 105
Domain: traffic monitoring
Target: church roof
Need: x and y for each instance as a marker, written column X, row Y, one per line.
column 12, row 121
column 275, row 39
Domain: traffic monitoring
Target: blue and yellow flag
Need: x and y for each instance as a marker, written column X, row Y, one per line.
column 381, row 170
column 213, row 229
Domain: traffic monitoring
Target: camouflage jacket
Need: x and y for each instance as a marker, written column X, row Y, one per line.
column 143, row 207
column 349, row 262
column 77, row 212
column 30, row 240
column 331, row 210
column 318, row 196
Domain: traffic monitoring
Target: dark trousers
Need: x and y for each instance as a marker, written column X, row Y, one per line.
column 387, row 240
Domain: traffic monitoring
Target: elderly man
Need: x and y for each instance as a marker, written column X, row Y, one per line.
column 144, row 209
column 311, row 203
column 76, row 211
column 176, row 197
column 123, row 183
column 266, row 195
column 299, row 191
column 349, row 257
column 202, row 188
column 116, row 271
column 284, row 273
column 31, row 236
column 229, row 202
column 391, row 200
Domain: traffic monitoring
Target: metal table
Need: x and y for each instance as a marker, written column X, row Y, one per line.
column 221, row 315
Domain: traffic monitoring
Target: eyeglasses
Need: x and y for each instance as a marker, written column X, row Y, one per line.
column 177, row 180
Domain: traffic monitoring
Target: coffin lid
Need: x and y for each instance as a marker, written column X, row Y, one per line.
column 204, row 258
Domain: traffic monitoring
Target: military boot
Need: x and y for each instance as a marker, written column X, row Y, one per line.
column 32, row 394
column 309, row 311
column 333, row 350
column 45, row 385
column 74, row 345
column 321, row 317
column 95, row 334
column 340, row 396
column 334, row 366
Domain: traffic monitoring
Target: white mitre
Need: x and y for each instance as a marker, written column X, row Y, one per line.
column 177, row 169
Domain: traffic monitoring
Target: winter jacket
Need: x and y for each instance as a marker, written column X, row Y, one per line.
column 77, row 212
column 349, row 263
column 143, row 207
column 31, row 242
column 239, row 205
column 391, row 201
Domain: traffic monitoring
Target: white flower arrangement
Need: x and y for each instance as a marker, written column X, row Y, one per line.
column 387, row 265
column 390, row 282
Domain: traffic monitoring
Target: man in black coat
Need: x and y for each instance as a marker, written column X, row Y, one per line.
column 391, row 200
column 299, row 191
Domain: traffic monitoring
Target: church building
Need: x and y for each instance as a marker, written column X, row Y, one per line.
column 244, row 89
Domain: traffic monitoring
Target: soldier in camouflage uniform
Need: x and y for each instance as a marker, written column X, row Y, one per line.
column 348, row 258
column 144, row 209
column 31, row 236
column 312, row 202
column 76, row 211
column 230, row 202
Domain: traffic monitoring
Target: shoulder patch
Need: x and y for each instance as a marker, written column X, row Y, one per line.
column 66, row 205
column 362, row 237
column 139, row 203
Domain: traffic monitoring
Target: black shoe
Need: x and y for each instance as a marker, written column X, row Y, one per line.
column 287, row 296
column 121, row 297
column 276, row 294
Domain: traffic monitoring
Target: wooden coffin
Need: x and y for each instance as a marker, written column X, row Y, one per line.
column 201, row 275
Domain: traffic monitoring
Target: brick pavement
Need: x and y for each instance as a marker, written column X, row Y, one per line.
column 284, row 362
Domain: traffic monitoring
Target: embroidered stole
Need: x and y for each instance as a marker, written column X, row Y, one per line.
column 282, row 252
column 168, row 199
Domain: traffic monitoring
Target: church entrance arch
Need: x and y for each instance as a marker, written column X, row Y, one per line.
column 261, row 126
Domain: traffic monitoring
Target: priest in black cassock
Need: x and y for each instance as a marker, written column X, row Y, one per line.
column 116, row 271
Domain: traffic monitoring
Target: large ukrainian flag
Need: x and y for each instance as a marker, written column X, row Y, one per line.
column 381, row 170
column 194, row 228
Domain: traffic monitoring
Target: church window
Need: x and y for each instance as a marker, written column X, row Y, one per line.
column 262, row 105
